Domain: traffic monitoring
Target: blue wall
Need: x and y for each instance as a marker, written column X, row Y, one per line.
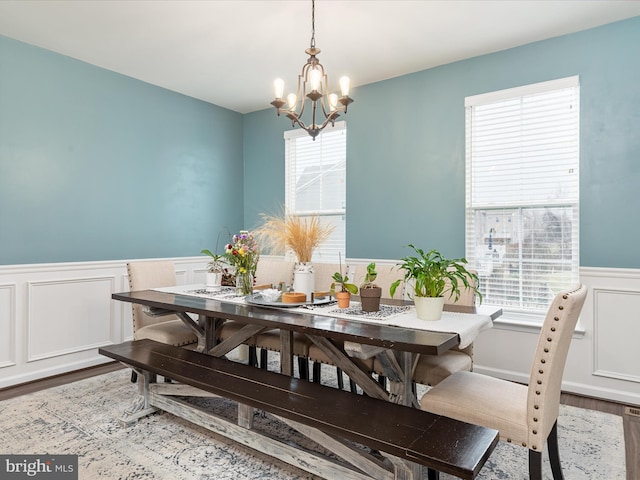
column 405, row 147
column 98, row 166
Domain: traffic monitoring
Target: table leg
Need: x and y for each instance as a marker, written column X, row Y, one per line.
column 286, row 352
column 398, row 368
column 342, row 360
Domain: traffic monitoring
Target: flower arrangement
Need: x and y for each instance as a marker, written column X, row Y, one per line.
column 302, row 235
column 243, row 252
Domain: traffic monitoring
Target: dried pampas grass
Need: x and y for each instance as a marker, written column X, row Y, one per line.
column 283, row 232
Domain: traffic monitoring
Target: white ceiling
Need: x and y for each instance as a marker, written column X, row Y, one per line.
column 228, row 52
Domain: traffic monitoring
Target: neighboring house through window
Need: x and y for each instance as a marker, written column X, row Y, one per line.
column 315, row 183
column 522, row 181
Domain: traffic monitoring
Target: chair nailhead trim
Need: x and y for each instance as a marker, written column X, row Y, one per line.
column 537, row 392
column 535, row 419
column 539, row 382
column 536, row 407
column 546, row 350
column 556, row 318
column 540, row 372
column 565, row 296
column 553, row 329
column 543, row 361
column 560, row 307
column 535, row 432
column 533, row 447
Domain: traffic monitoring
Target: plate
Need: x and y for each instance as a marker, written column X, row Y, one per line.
column 258, row 300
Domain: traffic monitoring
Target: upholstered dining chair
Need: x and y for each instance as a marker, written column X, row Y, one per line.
column 387, row 274
column 524, row 415
column 270, row 272
column 144, row 275
column 432, row 369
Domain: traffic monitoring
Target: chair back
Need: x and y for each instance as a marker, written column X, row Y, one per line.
column 387, row 274
column 543, row 401
column 143, row 276
column 467, row 296
column 322, row 273
column 273, row 270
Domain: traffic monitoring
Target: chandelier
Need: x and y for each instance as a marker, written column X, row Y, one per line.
column 312, row 85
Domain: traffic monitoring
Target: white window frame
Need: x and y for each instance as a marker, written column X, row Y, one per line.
column 484, row 202
column 328, row 252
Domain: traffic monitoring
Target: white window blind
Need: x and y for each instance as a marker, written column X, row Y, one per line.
column 315, row 183
column 522, row 186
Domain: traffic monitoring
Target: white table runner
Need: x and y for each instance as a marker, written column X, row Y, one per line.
column 466, row 325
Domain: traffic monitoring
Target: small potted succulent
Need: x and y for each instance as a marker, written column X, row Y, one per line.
column 346, row 289
column 432, row 277
column 370, row 293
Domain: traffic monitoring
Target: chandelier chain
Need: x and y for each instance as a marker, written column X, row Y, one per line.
column 313, row 24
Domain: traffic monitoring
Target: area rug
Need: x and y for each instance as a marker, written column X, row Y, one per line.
column 81, row 418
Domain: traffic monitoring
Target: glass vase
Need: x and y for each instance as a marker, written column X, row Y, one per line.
column 244, row 283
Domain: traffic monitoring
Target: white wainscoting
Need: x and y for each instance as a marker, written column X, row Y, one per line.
column 53, row 318
column 604, row 362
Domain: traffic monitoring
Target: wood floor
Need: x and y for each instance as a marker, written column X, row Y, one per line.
column 630, row 414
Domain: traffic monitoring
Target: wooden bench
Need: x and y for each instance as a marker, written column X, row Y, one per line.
column 406, row 436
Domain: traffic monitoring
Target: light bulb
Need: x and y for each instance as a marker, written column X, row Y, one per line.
column 344, row 86
column 291, row 99
column 333, row 102
column 314, row 79
column 278, row 86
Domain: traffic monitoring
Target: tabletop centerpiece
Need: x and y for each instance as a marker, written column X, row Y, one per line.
column 432, row 276
column 243, row 253
column 301, row 235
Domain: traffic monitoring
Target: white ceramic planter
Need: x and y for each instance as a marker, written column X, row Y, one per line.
column 213, row 280
column 429, row 308
column 304, row 279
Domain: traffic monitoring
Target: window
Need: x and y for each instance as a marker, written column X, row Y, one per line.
column 315, row 182
column 522, row 158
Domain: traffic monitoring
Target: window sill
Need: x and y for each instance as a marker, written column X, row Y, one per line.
column 528, row 324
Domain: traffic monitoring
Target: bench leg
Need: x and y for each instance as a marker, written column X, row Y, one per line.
column 245, row 416
column 405, row 470
column 140, row 406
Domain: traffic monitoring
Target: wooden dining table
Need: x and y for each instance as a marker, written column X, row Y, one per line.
column 344, row 341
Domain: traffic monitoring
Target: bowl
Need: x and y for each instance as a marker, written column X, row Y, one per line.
column 294, row 297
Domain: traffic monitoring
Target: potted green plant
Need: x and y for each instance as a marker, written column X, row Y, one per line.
column 215, row 269
column 346, row 289
column 432, row 276
column 370, row 292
